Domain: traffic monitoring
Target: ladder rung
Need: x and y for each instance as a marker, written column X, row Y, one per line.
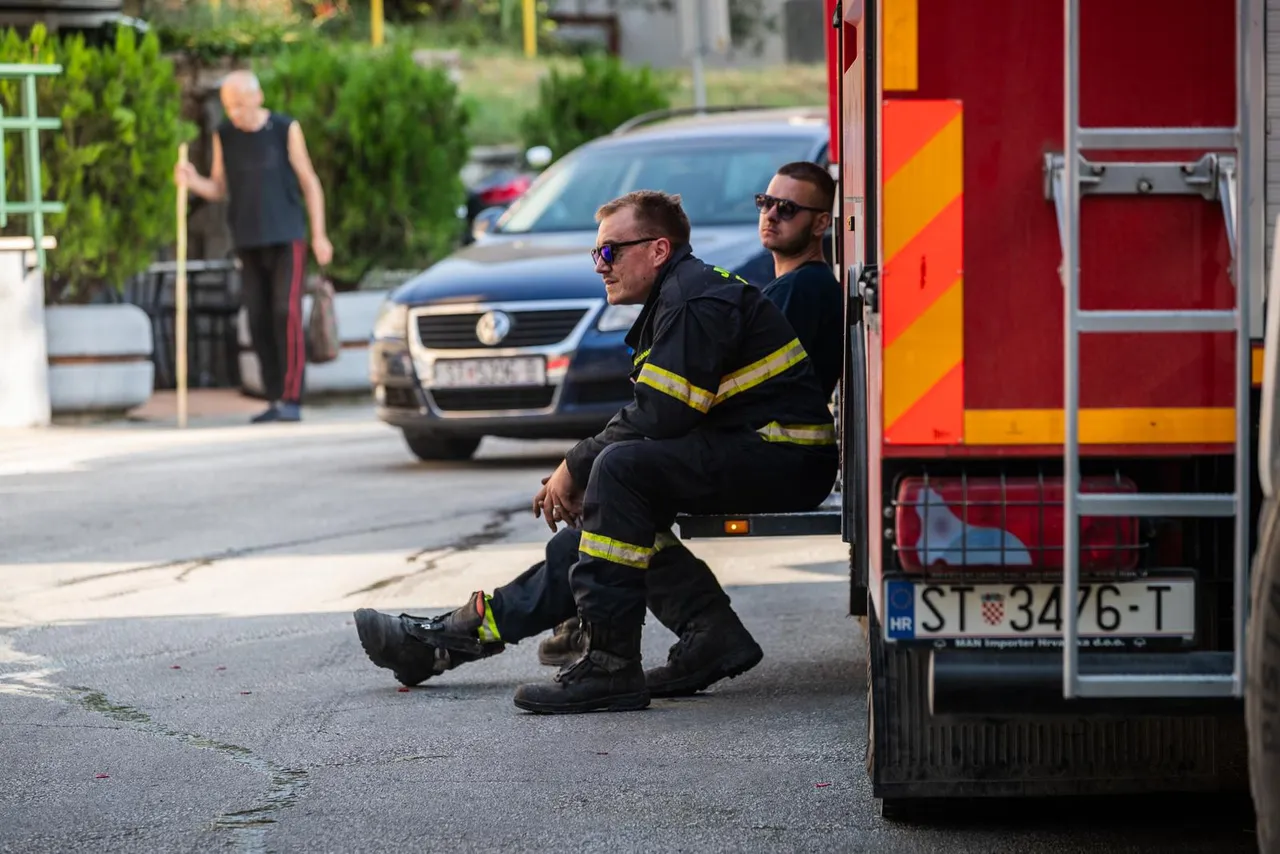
column 1190, row 505
column 1156, row 321
column 1156, row 138
column 1102, row 685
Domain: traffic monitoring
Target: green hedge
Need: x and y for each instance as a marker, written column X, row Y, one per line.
column 111, row 163
column 599, row 95
column 388, row 139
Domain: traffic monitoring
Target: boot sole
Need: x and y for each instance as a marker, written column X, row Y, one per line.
column 372, row 638
column 704, row 679
column 617, row 703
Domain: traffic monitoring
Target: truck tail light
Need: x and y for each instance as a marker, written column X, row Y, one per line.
column 975, row 522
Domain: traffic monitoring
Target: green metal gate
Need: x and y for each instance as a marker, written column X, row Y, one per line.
column 29, row 123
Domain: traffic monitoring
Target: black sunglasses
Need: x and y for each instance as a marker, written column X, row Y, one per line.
column 786, row 208
column 609, row 251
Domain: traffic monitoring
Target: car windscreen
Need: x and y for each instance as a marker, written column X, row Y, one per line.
column 717, row 181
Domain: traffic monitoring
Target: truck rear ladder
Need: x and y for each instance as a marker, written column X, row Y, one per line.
column 1227, row 176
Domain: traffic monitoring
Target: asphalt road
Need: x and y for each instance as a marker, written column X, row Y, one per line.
column 179, row 672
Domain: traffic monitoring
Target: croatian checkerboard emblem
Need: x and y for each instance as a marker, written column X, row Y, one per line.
column 993, row 608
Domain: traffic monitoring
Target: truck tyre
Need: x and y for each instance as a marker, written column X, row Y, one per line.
column 431, row 446
column 1262, row 688
column 854, row 455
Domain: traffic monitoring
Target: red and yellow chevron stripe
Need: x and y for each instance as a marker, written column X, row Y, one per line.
column 922, row 301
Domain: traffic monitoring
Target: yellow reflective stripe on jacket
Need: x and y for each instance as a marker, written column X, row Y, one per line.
column 799, row 434
column 640, row 357
column 615, row 550
column 676, row 386
column 488, row 630
column 757, row 372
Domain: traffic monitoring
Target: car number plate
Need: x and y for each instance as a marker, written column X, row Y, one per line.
column 477, row 373
column 1151, row 607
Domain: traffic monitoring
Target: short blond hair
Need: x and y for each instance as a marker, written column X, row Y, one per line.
column 658, row 213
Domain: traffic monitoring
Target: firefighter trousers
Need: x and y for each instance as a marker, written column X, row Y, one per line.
column 637, row 487
column 678, row 586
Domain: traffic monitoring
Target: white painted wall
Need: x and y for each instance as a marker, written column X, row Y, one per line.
column 24, row 365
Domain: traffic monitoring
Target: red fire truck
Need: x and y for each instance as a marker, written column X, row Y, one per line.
column 1051, row 229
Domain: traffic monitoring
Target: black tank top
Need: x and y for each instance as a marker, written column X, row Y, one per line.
column 265, row 201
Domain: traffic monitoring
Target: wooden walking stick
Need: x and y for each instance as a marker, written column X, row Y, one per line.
column 180, row 292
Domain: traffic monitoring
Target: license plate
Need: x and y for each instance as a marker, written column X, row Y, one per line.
column 475, row 373
column 1150, row 608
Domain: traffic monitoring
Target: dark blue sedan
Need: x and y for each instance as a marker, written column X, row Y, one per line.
column 512, row 336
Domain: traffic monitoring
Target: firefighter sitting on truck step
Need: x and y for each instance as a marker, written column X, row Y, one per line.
column 683, row 593
column 728, row 417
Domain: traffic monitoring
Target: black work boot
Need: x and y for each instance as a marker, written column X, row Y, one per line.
column 714, row 645
column 565, row 646
column 608, row 678
column 417, row 648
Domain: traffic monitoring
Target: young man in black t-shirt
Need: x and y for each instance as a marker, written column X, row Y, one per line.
column 262, row 168
column 795, row 212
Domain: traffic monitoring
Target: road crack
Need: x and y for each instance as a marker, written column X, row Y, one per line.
column 365, row 763
column 189, row 564
column 247, row 827
column 497, row 527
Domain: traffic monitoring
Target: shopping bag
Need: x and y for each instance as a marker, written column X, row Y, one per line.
column 323, row 342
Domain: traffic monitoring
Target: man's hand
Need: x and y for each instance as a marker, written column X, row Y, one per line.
column 184, row 172
column 559, row 500
column 323, row 250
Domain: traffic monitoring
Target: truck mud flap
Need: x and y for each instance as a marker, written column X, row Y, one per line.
column 914, row 755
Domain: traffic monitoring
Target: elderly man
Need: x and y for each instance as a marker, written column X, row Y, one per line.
column 262, row 168
column 728, row 416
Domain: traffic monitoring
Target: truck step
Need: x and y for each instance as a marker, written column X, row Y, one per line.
column 825, row 519
column 1154, row 504
column 1156, row 321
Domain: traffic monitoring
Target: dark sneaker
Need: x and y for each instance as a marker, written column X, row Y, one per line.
column 290, row 412
column 713, row 646
column 271, row 413
column 608, row 678
column 417, row 648
column 565, row 646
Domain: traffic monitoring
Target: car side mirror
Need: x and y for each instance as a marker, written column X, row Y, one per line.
column 538, row 156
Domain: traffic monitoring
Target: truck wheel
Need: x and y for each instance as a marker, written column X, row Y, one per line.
column 430, row 446
column 1262, row 689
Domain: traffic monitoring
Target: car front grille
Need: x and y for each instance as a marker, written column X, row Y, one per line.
column 486, row 399
column 528, row 329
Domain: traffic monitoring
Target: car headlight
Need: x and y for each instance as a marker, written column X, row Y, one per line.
column 392, row 320
column 617, row 317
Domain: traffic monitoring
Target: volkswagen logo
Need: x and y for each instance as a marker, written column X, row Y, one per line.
column 492, row 327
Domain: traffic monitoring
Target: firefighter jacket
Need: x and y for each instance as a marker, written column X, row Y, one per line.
column 713, row 353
